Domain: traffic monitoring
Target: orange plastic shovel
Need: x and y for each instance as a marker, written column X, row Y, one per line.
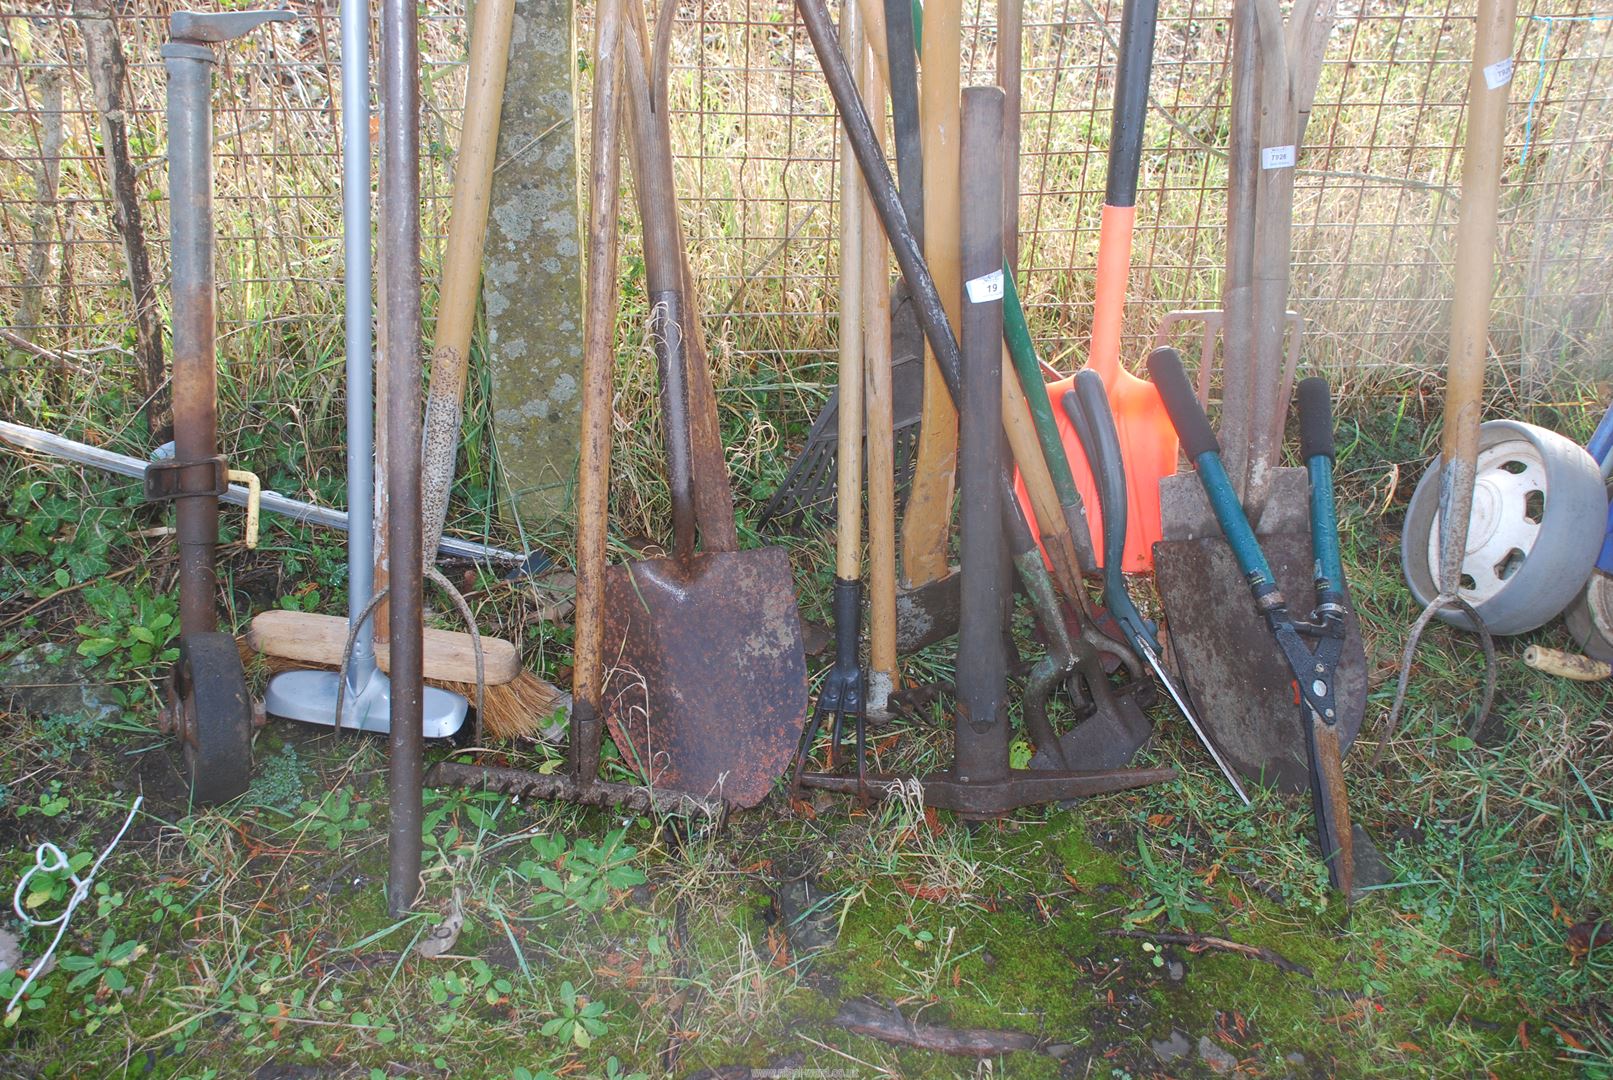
column 1148, row 442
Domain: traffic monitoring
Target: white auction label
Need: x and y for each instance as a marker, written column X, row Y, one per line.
column 985, row 288
column 1277, row 157
column 1498, row 74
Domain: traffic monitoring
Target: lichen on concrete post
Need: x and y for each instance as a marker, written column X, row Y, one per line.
column 532, row 269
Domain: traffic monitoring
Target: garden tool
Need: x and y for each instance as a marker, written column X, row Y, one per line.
column 1276, row 70
column 927, row 521
column 1087, row 407
column 1489, row 76
column 980, row 783
column 650, row 152
column 205, row 697
column 462, row 258
column 1010, row 71
column 877, row 334
column 1313, row 648
column 599, row 370
column 304, row 637
column 1148, row 443
column 720, row 731
column 810, row 484
column 400, row 355
column 842, row 693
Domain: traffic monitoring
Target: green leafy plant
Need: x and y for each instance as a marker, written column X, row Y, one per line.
column 583, row 876
column 579, row 1022
column 1170, row 891
column 335, row 816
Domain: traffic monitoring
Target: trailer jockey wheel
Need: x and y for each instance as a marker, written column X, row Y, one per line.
column 210, row 712
column 1539, row 515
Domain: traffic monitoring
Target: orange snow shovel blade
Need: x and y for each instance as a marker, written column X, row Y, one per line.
column 1148, row 442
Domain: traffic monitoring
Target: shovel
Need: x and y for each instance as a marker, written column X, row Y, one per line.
column 1147, row 441
column 707, row 690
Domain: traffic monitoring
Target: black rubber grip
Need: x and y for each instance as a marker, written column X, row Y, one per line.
column 1315, row 419
column 1192, row 426
column 1137, row 19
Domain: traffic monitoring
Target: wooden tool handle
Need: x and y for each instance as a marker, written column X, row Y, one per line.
column 878, row 418
column 462, row 259
column 1567, row 665
column 599, row 360
column 849, row 425
column 929, row 505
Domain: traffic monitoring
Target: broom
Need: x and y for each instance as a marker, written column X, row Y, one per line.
column 516, row 703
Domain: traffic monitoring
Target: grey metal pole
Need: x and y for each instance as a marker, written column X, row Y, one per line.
column 400, row 307
column 195, row 379
column 355, row 16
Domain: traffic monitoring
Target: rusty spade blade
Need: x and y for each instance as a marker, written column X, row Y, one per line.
column 707, row 689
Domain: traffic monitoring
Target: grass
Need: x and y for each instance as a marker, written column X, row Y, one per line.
column 253, row 940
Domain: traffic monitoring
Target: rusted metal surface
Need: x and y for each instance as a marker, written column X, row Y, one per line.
column 1111, row 724
column 1019, row 787
column 524, row 784
column 400, row 313
column 1232, row 666
column 707, row 688
column 982, row 705
column 195, row 380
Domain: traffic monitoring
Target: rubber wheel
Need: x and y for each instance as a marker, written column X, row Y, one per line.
column 208, row 698
column 1590, row 617
column 1539, row 514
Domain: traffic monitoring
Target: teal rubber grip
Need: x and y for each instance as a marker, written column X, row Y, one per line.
column 1234, row 525
column 1316, row 445
column 1193, row 427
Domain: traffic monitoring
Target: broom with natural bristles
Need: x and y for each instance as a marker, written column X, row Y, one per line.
column 515, row 703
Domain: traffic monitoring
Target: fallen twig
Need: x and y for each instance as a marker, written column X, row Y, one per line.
column 1200, row 942
column 889, row 1025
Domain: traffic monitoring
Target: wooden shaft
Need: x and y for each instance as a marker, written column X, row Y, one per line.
column 873, row 20
column 881, row 464
column 849, row 449
column 599, row 359
column 462, row 259
column 1033, row 470
column 1010, row 65
column 1567, row 665
column 929, row 505
column 1274, row 207
column 667, row 266
column 1476, row 233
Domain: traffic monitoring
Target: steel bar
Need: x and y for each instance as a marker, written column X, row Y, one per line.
column 525, row 784
column 982, row 708
column 400, row 312
column 356, row 270
column 79, row 453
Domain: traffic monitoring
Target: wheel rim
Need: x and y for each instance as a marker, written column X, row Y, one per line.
column 1509, row 504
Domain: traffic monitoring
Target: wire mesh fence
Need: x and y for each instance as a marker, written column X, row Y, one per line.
column 1375, row 208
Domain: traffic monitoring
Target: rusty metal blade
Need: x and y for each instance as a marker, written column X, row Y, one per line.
column 1331, row 804
column 1233, row 668
column 706, row 689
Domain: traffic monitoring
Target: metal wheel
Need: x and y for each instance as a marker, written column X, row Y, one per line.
column 1539, row 512
column 210, row 712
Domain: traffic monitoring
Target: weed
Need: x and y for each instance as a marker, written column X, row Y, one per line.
column 277, row 780
column 582, row 875
column 579, row 1021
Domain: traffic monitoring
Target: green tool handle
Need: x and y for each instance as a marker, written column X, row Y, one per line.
column 1193, row 427
column 1018, row 335
column 1316, row 445
column 1087, row 406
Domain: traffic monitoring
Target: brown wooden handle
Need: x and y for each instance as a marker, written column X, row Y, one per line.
column 1567, row 665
